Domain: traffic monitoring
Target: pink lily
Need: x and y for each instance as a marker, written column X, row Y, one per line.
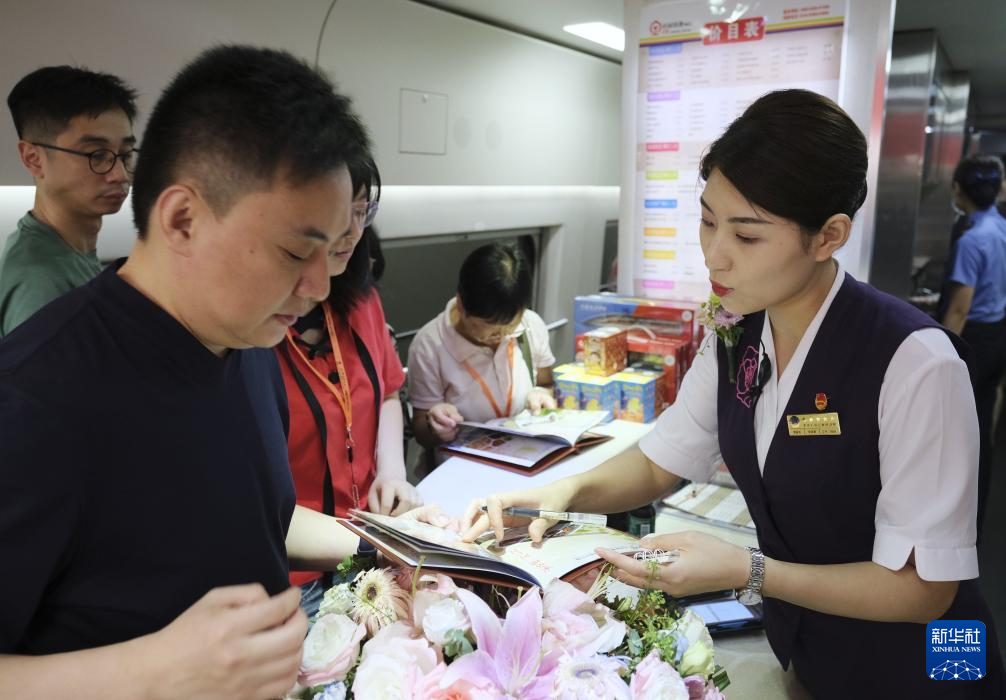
column 573, row 622
column 509, row 658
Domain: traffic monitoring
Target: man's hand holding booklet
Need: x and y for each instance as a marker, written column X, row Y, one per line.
column 566, row 551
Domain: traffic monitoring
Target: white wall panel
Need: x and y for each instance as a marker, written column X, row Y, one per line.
column 520, row 111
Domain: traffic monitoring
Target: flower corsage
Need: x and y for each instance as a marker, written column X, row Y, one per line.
column 726, row 326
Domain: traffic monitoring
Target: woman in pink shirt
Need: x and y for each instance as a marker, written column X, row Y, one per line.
column 486, row 355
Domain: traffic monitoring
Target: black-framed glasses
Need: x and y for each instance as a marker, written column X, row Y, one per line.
column 763, row 375
column 365, row 213
column 100, row 161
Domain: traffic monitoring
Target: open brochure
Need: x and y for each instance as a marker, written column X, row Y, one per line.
column 528, row 443
column 566, row 550
column 717, row 504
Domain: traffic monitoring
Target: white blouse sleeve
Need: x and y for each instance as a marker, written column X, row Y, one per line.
column 685, row 440
column 537, row 335
column 427, row 387
column 928, row 461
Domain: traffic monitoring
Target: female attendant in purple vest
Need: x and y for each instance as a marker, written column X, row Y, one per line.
column 848, row 423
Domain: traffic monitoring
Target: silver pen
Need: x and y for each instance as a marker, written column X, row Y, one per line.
column 584, row 518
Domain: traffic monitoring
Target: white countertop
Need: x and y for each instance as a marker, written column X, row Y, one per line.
column 458, row 481
column 755, row 674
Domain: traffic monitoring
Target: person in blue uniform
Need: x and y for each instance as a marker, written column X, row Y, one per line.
column 847, row 421
column 974, row 301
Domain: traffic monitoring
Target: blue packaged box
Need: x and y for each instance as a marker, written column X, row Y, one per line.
column 637, row 395
column 567, row 391
column 666, row 318
column 599, row 394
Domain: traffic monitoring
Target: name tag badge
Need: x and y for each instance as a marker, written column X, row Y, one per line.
column 813, row 424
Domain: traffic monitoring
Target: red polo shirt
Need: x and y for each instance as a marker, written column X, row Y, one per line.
column 307, row 454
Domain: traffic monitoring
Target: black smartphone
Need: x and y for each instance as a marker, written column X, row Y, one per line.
column 724, row 614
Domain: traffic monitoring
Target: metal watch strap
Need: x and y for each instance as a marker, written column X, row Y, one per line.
column 757, row 576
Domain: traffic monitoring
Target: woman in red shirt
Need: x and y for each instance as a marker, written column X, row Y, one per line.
column 342, row 377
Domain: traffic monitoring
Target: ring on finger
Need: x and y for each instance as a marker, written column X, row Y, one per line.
column 659, row 556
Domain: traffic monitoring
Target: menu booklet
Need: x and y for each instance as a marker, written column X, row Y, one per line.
column 528, row 443
column 566, row 551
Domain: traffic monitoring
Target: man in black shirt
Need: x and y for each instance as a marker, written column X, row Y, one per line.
column 143, row 453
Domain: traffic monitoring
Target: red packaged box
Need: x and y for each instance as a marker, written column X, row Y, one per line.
column 671, row 356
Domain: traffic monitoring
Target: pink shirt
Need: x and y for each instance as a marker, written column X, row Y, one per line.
column 437, row 372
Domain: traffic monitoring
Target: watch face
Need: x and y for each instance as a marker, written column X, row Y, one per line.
column 748, row 597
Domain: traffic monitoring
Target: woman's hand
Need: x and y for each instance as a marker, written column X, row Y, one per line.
column 538, row 399
column 444, row 419
column 392, row 496
column 432, row 515
column 475, row 521
column 704, row 563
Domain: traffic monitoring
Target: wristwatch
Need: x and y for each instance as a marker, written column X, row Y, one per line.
column 751, row 593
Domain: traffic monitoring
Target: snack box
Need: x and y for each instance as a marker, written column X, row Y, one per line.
column 566, row 368
column 639, row 397
column 664, row 317
column 605, row 350
column 567, row 390
column 670, row 356
column 599, row 394
column 595, row 393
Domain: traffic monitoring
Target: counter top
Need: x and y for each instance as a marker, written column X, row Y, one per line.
column 755, row 674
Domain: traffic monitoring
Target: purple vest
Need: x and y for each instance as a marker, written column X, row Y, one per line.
column 817, row 499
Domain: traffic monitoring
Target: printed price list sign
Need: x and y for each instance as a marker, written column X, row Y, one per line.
column 697, row 72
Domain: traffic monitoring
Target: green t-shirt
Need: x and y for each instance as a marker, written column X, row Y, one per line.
column 36, row 267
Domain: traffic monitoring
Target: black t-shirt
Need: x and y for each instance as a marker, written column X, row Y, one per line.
column 137, row 471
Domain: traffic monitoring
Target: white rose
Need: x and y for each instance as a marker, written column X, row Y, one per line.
column 382, row 677
column 697, row 660
column 393, row 663
column 397, row 643
column 442, row 617
column 694, row 629
column 338, row 600
column 330, row 650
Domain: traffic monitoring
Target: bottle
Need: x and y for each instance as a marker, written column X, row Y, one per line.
column 643, row 521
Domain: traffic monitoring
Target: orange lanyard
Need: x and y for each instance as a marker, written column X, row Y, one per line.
column 341, row 392
column 485, row 387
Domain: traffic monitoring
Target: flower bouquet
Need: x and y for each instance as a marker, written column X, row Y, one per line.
column 726, row 326
column 392, row 633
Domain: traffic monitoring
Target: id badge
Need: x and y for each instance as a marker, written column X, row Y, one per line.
column 813, row 424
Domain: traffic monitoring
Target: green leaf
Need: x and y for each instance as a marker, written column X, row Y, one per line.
column 456, row 644
column 720, row 678
column 635, row 643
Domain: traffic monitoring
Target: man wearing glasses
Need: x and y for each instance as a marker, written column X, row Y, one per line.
column 75, row 131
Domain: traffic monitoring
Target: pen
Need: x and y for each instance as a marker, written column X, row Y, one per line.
column 585, row 518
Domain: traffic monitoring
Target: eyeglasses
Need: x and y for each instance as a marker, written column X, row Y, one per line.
column 764, row 374
column 488, row 332
column 364, row 214
column 102, row 160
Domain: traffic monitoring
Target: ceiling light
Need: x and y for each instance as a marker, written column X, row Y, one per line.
column 600, row 33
